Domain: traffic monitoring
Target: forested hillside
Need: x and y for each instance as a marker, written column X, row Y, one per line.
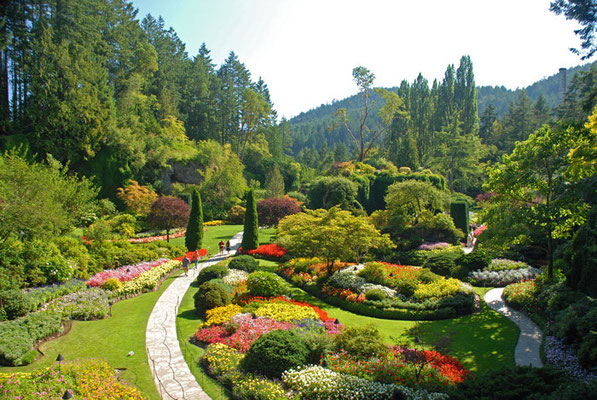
column 316, row 126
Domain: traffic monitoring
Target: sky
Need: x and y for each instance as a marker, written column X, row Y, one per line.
column 305, row 50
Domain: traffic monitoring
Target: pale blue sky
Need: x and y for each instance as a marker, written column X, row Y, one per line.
column 305, row 50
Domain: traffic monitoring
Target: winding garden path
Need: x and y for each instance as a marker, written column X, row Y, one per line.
column 171, row 374
column 527, row 350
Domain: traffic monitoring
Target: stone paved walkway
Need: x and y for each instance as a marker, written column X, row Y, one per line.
column 171, row 374
column 529, row 342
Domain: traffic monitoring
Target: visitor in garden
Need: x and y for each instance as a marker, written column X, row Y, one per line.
column 185, row 265
column 228, row 247
column 196, row 258
column 221, row 247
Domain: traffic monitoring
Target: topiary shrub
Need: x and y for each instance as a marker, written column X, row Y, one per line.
column 212, row 272
column 194, row 235
column 244, row 262
column 459, row 213
column 375, row 295
column 112, row 284
column 251, row 227
column 361, row 342
column 274, row 353
column 265, row 284
column 210, row 295
column 14, row 303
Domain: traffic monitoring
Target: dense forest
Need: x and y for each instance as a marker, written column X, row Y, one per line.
column 114, row 97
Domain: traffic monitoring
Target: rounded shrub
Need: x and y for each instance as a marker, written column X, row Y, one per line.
column 440, row 263
column 211, row 272
column 375, row 295
column 265, row 284
column 210, row 295
column 374, row 273
column 244, row 262
column 274, row 353
column 361, row 341
column 112, row 284
column 14, row 303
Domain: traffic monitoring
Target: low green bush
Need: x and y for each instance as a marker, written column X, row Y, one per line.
column 374, row 272
column 212, row 272
column 14, row 303
column 361, row 342
column 274, row 353
column 112, row 284
column 210, row 295
column 265, row 284
column 375, row 295
column 244, row 262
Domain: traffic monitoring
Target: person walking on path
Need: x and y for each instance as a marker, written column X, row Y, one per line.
column 196, row 259
column 228, row 247
column 185, row 265
column 221, row 244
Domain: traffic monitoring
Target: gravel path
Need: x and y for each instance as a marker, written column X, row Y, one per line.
column 529, row 342
column 171, row 374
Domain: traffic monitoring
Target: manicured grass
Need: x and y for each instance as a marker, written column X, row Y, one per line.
column 267, row 235
column 212, row 237
column 187, row 322
column 111, row 339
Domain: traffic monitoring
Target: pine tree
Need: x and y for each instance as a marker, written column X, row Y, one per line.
column 251, row 230
column 194, row 236
column 274, row 183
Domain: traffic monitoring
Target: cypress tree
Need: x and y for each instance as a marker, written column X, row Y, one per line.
column 251, row 230
column 194, row 235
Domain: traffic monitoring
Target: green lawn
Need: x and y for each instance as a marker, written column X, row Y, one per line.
column 212, row 237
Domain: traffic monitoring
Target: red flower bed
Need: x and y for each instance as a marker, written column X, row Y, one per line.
column 345, row 294
column 156, row 238
column 266, row 250
column 191, row 255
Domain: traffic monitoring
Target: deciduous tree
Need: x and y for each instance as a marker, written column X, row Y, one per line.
column 168, row 212
column 332, row 234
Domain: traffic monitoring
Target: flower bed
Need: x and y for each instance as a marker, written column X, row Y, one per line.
column 191, row 255
column 319, row 383
column 84, row 305
column 41, row 295
column 270, row 251
column 215, row 222
column 433, row 246
column 150, row 239
column 124, row 273
column 521, row 296
column 407, row 292
column 503, row 278
column 148, row 280
column 86, row 379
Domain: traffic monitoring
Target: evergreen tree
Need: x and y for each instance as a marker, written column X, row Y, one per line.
column 274, row 183
column 251, row 229
column 194, row 235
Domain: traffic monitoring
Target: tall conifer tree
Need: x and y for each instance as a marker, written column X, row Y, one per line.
column 194, row 236
column 251, row 230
